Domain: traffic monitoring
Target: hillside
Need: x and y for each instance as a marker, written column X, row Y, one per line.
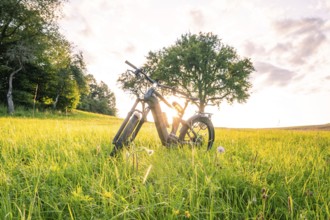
column 78, row 114
column 324, row 127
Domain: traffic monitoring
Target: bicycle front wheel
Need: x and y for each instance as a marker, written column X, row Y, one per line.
column 197, row 132
column 126, row 135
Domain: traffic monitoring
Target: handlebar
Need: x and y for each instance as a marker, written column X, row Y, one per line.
column 138, row 71
column 173, row 89
column 131, row 65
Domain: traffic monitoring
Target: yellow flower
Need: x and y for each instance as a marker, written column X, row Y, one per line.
column 107, row 194
column 187, row 214
column 78, row 194
column 176, row 212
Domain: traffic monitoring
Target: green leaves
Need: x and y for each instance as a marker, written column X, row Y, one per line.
column 202, row 66
column 99, row 99
column 32, row 49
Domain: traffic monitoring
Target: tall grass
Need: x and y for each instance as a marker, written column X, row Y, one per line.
column 59, row 168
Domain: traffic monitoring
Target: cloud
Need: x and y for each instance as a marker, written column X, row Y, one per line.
column 322, row 5
column 298, row 26
column 250, row 48
column 300, row 38
column 275, row 75
column 197, row 18
column 130, row 48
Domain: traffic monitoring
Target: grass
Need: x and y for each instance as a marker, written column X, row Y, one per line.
column 57, row 167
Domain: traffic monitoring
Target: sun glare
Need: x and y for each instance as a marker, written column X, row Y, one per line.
column 171, row 112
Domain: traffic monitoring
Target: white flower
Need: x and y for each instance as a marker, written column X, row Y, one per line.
column 220, row 149
column 150, row 152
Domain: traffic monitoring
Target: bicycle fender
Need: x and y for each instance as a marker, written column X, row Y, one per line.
column 189, row 121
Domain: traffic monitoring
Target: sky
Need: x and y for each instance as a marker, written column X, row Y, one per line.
column 288, row 42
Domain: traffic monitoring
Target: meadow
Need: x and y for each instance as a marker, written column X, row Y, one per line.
column 58, row 167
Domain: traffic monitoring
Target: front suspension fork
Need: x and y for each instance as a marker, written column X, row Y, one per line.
column 123, row 125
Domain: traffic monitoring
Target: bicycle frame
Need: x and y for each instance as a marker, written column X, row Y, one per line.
column 151, row 98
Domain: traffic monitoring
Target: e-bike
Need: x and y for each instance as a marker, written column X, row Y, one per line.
column 197, row 131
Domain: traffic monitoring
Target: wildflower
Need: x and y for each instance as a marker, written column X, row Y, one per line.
column 150, row 152
column 220, row 149
column 187, row 214
column 309, row 193
column 264, row 193
column 79, row 195
column 134, row 190
column 107, row 194
column 264, row 196
column 176, row 212
column 98, row 149
column 260, row 217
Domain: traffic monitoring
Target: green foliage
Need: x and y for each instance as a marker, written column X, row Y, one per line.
column 135, row 85
column 200, row 65
column 23, row 25
column 37, row 64
column 59, row 168
column 99, row 99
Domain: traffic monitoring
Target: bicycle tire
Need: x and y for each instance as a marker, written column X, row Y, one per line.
column 194, row 131
column 124, row 138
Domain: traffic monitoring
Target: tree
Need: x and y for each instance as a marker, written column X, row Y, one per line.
column 17, row 55
column 22, row 25
column 100, row 99
column 68, row 80
column 30, row 44
column 202, row 66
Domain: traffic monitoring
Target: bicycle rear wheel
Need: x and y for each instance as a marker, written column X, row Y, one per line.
column 198, row 132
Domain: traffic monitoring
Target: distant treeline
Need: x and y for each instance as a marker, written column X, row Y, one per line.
column 38, row 66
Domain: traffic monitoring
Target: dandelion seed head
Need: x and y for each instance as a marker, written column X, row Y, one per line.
column 220, row 149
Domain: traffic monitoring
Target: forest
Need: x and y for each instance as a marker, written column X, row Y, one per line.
column 39, row 68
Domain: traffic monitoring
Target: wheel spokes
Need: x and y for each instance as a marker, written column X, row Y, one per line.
column 197, row 134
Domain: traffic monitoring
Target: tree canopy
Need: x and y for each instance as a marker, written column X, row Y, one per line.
column 100, row 99
column 200, row 65
column 37, row 64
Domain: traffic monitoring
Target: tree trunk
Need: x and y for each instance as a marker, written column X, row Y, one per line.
column 34, row 99
column 201, row 107
column 10, row 101
column 56, row 100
